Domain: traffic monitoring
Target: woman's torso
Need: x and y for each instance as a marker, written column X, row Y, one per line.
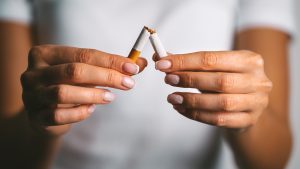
column 140, row 129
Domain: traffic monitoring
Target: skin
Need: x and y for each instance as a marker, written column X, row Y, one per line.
column 58, row 90
column 59, row 84
column 59, row 80
column 237, row 95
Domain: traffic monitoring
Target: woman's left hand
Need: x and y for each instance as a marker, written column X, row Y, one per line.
column 235, row 89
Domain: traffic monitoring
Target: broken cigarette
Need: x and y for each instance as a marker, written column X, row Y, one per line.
column 141, row 41
column 157, row 45
column 139, row 44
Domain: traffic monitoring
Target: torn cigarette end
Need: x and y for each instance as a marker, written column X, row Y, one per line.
column 157, row 45
column 141, row 41
column 151, row 31
column 139, row 44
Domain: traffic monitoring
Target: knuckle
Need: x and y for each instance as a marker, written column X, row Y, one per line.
column 192, row 101
column 74, row 71
column 225, row 82
column 24, row 79
column 180, row 61
column 208, row 60
column 188, row 80
column 268, row 85
column 259, row 61
column 34, row 54
column 36, row 51
column 112, row 61
column 61, row 93
column 265, row 101
column 220, row 120
column 57, row 117
column 264, row 85
column 82, row 114
column 95, row 96
column 84, row 55
column 255, row 58
column 110, row 77
column 227, row 103
column 39, row 50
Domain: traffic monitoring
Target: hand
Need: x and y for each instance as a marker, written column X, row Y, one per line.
column 59, row 84
column 234, row 86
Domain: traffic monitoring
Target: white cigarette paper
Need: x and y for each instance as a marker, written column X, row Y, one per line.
column 142, row 40
column 157, row 45
column 139, row 44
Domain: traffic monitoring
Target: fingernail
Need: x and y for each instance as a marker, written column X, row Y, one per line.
column 172, row 79
column 92, row 108
column 175, row 99
column 180, row 109
column 109, row 97
column 128, row 82
column 131, row 68
column 163, row 64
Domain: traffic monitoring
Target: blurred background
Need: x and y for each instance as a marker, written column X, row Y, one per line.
column 295, row 92
column 226, row 160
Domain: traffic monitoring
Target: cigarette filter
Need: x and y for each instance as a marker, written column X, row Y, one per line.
column 139, row 44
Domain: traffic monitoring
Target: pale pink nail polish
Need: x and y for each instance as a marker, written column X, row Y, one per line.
column 163, row 64
column 128, row 82
column 175, row 99
column 131, row 68
column 108, row 96
column 172, row 79
column 92, row 108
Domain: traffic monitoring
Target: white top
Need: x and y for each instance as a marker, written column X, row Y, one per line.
column 140, row 129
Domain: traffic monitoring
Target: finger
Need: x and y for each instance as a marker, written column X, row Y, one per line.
column 30, row 79
column 142, row 63
column 219, row 102
column 83, row 74
column 155, row 57
column 228, row 61
column 54, row 55
column 214, row 82
column 62, row 116
column 221, row 119
column 42, row 98
column 67, row 94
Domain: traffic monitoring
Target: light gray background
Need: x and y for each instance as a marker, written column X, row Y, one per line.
column 295, row 92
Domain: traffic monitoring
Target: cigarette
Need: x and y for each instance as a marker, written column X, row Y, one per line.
column 139, row 44
column 157, row 45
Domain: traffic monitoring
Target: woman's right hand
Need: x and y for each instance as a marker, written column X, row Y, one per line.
column 59, row 84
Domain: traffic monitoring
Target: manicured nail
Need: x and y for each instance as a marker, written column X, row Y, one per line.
column 175, row 99
column 128, row 82
column 131, row 68
column 172, row 79
column 92, row 108
column 108, row 96
column 163, row 64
